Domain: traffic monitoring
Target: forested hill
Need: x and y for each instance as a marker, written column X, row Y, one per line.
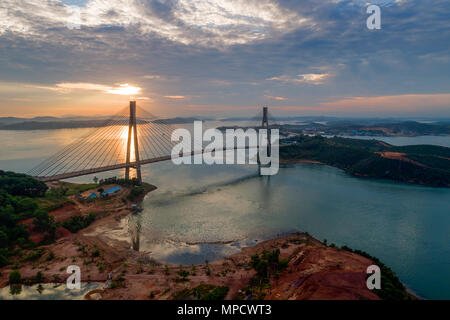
column 421, row 164
column 18, row 194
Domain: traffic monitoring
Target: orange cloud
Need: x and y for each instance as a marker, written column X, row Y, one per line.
column 407, row 102
column 174, row 97
column 276, row 98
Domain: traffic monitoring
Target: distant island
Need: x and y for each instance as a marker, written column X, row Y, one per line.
column 354, row 127
column 365, row 128
column 420, row 164
column 318, row 125
column 77, row 124
column 53, row 125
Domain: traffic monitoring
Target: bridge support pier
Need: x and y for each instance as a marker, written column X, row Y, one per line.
column 132, row 130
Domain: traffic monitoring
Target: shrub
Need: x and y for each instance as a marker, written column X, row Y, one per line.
column 100, row 267
column 166, row 270
column 34, row 255
column 3, row 261
column 95, row 253
column 45, row 223
column 184, row 275
column 50, row 256
column 218, row 293
column 39, row 277
column 76, row 223
column 135, row 192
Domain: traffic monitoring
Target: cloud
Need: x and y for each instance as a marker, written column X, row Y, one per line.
column 208, row 23
column 125, row 89
column 66, row 87
column 220, row 53
column 405, row 102
column 312, row 78
column 144, row 98
column 151, row 76
column 83, row 86
column 174, row 97
column 275, row 98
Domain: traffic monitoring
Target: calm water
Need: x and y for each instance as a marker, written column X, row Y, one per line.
column 195, row 207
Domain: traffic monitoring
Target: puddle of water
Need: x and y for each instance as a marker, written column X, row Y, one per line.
column 47, row 291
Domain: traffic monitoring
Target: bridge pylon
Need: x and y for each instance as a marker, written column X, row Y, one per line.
column 132, row 131
column 265, row 125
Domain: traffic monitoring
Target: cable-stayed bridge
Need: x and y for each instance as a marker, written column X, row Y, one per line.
column 131, row 138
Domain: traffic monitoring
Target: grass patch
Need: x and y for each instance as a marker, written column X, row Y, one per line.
column 73, row 189
column 51, row 202
column 202, row 292
column 34, row 255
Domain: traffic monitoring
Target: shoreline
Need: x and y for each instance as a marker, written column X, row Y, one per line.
column 356, row 175
column 314, row 270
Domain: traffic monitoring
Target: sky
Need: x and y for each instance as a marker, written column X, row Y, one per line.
column 224, row 58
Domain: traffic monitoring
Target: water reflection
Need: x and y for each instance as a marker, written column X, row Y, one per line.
column 134, row 228
column 15, row 289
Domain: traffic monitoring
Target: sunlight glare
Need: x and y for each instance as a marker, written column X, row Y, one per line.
column 125, row 89
column 124, row 138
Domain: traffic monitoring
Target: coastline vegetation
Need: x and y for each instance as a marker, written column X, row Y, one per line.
column 391, row 286
column 21, row 198
column 422, row 164
column 18, row 194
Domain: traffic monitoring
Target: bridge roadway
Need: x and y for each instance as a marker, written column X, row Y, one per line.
column 124, row 165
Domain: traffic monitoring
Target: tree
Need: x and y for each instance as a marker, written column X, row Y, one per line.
column 25, row 208
column 3, row 260
column 18, row 184
column 6, row 199
column 15, row 277
column 45, row 223
column 3, row 239
column 184, row 274
column 8, row 218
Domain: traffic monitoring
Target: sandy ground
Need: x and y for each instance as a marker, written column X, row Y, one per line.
column 399, row 156
column 293, row 161
column 315, row 271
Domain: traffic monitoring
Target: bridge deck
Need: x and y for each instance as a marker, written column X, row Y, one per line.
column 123, row 165
column 100, row 169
